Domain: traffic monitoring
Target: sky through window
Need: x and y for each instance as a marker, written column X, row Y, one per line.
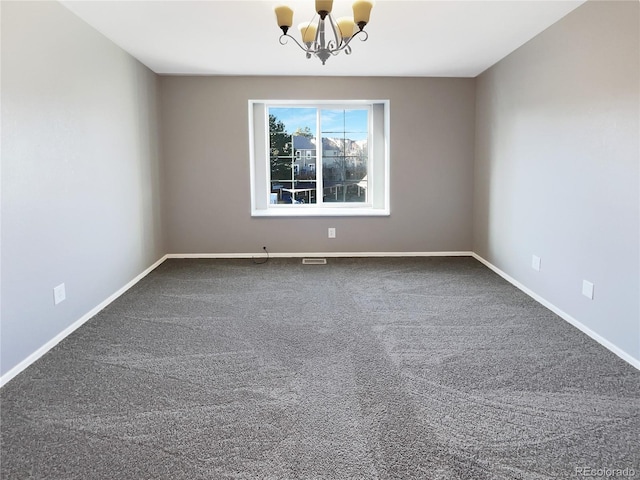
column 351, row 122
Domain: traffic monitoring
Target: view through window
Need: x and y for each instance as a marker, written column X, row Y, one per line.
column 319, row 155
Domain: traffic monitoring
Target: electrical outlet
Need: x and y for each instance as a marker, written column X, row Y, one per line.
column 332, row 232
column 587, row 289
column 59, row 294
column 535, row 263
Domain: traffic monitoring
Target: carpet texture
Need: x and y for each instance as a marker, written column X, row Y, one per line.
column 402, row 368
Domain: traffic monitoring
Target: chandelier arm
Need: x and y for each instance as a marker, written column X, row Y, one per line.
column 320, row 40
column 284, row 39
column 344, row 48
column 336, row 36
column 363, row 39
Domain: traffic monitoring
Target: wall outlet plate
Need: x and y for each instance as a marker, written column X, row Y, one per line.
column 332, row 232
column 59, row 294
column 535, row 263
column 587, row 289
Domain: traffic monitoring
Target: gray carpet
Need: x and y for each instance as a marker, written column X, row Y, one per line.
column 431, row 368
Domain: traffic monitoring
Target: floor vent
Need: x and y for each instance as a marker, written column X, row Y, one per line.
column 314, row 261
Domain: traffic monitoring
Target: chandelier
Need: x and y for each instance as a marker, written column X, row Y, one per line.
column 321, row 40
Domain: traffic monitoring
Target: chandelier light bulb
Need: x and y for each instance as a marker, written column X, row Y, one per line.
column 362, row 12
column 323, row 7
column 346, row 25
column 308, row 32
column 284, row 16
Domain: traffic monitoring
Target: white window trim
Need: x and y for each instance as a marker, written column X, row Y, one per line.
column 259, row 164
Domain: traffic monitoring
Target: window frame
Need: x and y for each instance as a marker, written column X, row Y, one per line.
column 377, row 162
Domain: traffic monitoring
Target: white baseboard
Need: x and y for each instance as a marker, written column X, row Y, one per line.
column 4, row 379
column 320, row 254
column 634, row 362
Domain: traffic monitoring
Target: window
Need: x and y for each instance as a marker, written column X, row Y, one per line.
column 327, row 158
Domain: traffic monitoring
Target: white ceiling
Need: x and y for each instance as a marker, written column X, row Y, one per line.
column 447, row 38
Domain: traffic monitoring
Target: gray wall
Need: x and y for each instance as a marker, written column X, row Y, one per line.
column 556, row 171
column 206, row 152
column 80, row 172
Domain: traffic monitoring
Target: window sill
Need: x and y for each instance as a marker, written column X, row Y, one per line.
column 321, row 212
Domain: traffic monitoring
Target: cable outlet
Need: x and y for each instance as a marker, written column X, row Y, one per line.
column 332, row 232
column 59, row 294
